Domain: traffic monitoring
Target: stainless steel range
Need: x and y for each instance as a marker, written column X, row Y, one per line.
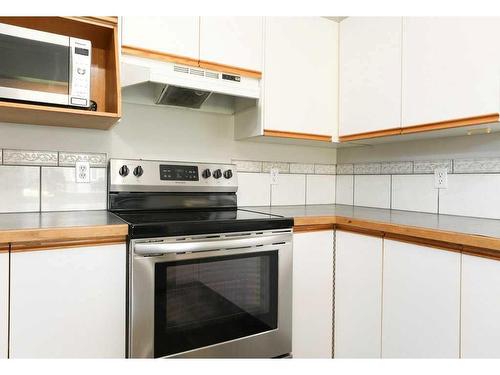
column 206, row 279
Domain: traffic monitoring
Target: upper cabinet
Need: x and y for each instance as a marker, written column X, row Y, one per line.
column 451, row 68
column 233, row 41
column 370, row 74
column 218, row 43
column 418, row 74
column 170, row 35
column 300, row 77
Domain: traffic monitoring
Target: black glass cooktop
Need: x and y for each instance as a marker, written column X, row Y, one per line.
column 143, row 224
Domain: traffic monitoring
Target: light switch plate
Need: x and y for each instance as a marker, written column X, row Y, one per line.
column 275, row 172
column 441, row 178
column 82, row 171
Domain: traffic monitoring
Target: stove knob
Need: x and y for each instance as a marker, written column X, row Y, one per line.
column 206, row 173
column 123, row 171
column 217, row 173
column 138, row 171
column 228, row 173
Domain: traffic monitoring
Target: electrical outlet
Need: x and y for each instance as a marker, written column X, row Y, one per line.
column 441, row 178
column 82, row 171
column 275, row 172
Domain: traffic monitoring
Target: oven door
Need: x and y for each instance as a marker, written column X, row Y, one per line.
column 224, row 298
column 34, row 65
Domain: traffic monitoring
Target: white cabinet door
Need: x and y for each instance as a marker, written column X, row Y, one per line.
column 300, row 75
column 480, row 307
column 172, row 35
column 421, row 302
column 68, row 303
column 234, row 41
column 4, row 303
column 451, row 68
column 312, row 294
column 370, row 74
column 358, row 295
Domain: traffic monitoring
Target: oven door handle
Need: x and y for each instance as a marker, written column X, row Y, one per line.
column 148, row 249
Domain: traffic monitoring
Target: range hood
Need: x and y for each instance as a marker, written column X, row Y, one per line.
column 153, row 82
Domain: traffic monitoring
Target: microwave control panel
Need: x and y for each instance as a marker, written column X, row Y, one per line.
column 81, row 55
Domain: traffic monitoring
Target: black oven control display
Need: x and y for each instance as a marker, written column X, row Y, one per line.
column 178, row 172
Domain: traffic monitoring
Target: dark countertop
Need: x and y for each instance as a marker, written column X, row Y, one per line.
column 463, row 225
column 37, row 226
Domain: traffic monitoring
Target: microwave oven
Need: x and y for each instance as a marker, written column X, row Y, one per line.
column 44, row 68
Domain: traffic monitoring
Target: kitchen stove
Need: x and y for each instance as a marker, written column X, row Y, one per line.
column 206, row 279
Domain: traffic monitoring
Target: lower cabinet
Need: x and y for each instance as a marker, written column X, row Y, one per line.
column 358, row 295
column 68, row 302
column 421, row 302
column 480, row 307
column 4, row 301
column 312, row 294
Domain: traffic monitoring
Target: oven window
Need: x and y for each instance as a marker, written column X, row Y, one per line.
column 33, row 65
column 208, row 301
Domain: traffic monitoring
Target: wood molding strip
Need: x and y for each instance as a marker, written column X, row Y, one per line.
column 230, row 69
column 448, row 124
column 168, row 57
column 441, row 245
column 363, row 231
column 296, row 135
column 161, row 56
column 312, row 228
column 63, row 234
column 4, row 248
column 370, row 135
column 481, row 252
column 433, row 126
column 55, row 245
column 108, row 22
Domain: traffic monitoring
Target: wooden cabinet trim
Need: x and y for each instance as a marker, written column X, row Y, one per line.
column 369, row 135
column 358, row 230
column 161, row 56
column 168, row 57
column 63, row 234
column 488, row 247
column 55, row 245
column 448, row 124
column 4, row 248
column 312, row 228
column 297, row 135
column 420, row 128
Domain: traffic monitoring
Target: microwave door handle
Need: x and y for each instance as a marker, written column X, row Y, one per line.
column 146, row 249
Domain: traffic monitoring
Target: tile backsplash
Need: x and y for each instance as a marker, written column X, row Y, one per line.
column 33, row 180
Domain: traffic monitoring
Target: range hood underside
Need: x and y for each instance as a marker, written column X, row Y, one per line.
column 148, row 93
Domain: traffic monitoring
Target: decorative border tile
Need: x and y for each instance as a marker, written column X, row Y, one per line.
column 325, row 169
column 397, row 167
column 68, row 159
column 282, row 167
column 29, row 157
column 482, row 165
column 428, row 166
column 301, row 168
column 345, row 168
column 248, row 165
column 367, row 168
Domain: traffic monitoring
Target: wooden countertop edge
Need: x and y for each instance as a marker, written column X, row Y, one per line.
column 467, row 243
column 60, row 234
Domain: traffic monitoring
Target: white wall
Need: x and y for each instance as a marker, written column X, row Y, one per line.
column 475, row 146
column 154, row 132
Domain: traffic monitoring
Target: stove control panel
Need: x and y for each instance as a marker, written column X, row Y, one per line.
column 152, row 175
